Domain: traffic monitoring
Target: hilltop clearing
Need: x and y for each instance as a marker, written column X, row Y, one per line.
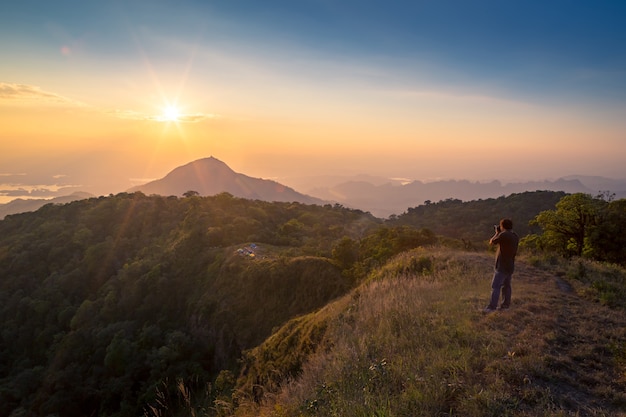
column 413, row 341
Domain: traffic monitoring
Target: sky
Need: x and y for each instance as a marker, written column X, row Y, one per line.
column 102, row 96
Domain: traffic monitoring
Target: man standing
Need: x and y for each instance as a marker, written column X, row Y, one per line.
column 507, row 241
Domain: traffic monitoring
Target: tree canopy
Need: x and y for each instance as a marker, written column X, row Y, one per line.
column 472, row 221
column 582, row 225
column 104, row 299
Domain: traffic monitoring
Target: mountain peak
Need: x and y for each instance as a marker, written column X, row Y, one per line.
column 211, row 165
column 210, row 176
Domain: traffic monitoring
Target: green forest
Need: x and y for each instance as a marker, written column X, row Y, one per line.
column 132, row 305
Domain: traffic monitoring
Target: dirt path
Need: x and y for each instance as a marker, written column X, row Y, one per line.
column 582, row 343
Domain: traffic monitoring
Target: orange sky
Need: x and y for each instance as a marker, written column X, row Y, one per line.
column 83, row 107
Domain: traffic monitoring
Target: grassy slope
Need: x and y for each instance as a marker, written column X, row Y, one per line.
column 413, row 341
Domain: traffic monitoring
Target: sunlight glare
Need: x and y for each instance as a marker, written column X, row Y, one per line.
column 171, row 113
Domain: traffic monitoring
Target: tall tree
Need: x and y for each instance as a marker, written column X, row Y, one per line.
column 568, row 227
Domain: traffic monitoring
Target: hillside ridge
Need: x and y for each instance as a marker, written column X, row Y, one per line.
column 546, row 353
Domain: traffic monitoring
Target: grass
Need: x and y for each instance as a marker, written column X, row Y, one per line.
column 413, row 341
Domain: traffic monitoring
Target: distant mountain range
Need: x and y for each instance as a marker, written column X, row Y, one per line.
column 383, row 200
column 380, row 196
column 21, row 205
column 210, row 176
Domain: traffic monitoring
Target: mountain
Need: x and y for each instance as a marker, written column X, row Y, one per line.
column 380, row 196
column 601, row 184
column 307, row 183
column 383, row 200
column 21, row 205
column 210, row 176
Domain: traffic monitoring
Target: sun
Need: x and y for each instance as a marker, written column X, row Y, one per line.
column 171, row 113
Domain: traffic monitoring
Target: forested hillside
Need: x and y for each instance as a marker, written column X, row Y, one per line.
column 473, row 221
column 129, row 305
column 101, row 300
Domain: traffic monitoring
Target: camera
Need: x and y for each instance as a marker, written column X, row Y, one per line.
column 496, row 228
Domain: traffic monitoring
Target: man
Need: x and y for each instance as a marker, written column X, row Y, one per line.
column 507, row 241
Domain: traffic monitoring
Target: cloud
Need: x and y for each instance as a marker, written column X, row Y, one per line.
column 126, row 114
column 187, row 118
column 30, row 191
column 22, row 192
column 26, row 92
column 11, row 174
column 16, row 184
column 182, row 118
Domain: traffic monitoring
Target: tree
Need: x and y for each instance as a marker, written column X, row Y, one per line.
column 608, row 239
column 346, row 252
column 568, row 228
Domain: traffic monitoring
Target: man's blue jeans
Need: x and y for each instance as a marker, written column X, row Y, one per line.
column 501, row 282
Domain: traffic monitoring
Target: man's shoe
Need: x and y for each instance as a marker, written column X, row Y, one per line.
column 488, row 310
column 504, row 307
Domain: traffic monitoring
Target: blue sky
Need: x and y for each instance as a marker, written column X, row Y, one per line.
column 391, row 79
column 536, row 49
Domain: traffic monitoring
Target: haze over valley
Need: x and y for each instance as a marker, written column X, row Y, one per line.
column 380, row 196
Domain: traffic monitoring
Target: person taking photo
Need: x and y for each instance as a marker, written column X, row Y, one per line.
column 507, row 241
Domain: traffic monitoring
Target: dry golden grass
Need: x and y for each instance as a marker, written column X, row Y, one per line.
column 413, row 341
